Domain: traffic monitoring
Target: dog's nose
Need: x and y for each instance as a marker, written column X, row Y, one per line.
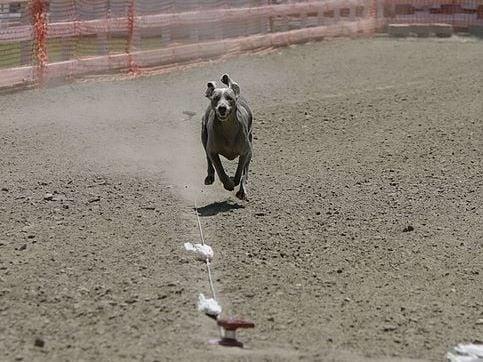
column 222, row 110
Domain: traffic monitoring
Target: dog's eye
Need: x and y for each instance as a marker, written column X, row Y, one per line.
column 229, row 99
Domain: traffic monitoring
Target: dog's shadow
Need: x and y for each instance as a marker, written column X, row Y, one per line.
column 217, row 207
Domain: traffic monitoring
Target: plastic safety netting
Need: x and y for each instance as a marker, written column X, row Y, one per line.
column 42, row 40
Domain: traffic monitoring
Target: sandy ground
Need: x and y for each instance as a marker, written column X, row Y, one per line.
column 356, row 141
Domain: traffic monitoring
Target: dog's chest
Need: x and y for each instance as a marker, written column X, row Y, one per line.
column 229, row 142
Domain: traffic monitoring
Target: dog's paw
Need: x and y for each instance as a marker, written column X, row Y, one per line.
column 235, row 181
column 229, row 185
column 209, row 179
column 242, row 195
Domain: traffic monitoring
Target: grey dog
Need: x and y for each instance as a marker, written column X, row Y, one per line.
column 227, row 131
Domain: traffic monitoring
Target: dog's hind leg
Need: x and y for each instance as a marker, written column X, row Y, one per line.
column 242, row 162
column 245, row 171
column 242, row 192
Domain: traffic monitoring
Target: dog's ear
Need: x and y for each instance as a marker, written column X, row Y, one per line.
column 225, row 78
column 236, row 88
column 210, row 87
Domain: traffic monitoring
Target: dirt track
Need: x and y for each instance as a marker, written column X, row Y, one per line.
column 355, row 140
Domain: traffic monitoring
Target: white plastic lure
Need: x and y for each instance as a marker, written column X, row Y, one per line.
column 208, row 306
column 466, row 353
column 203, row 252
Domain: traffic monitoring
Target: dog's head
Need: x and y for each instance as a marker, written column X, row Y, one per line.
column 223, row 100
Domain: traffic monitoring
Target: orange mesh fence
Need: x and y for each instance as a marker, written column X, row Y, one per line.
column 460, row 14
column 41, row 40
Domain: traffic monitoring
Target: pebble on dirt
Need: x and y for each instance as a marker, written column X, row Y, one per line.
column 389, row 328
column 148, row 208
column 189, row 113
column 48, row 197
column 23, row 247
column 39, row 342
column 408, row 228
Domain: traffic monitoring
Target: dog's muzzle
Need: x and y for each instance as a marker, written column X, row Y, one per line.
column 222, row 111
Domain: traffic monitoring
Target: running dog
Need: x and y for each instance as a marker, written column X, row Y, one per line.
column 227, row 131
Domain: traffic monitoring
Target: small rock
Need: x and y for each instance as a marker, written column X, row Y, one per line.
column 148, row 208
column 65, row 206
column 39, row 342
column 408, row 228
column 48, row 197
column 4, row 189
column 260, row 214
column 189, row 113
column 30, row 236
column 94, row 199
column 23, row 247
column 389, row 328
column 479, row 322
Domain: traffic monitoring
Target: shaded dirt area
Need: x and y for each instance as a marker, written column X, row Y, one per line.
column 362, row 238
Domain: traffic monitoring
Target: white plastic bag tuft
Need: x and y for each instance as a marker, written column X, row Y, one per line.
column 203, row 252
column 208, row 306
column 466, row 353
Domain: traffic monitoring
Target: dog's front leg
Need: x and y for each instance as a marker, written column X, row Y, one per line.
column 210, row 178
column 227, row 182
